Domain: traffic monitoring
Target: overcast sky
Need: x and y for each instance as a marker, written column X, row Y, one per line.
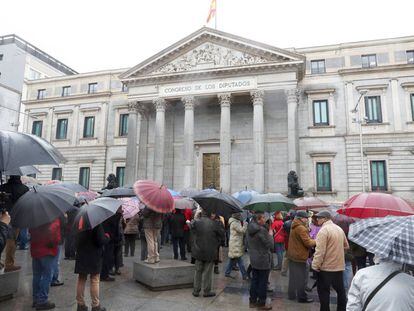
column 93, row 35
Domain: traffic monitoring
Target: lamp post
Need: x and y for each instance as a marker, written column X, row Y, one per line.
column 360, row 119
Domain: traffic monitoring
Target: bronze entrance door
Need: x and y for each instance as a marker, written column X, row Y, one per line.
column 211, row 170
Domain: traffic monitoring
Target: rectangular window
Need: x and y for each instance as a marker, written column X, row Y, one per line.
column 92, row 88
column 123, row 125
column 378, row 176
column 88, row 127
column 57, row 173
column 1, row 57
column 412, row 106
column 373, row 109
column 84, row 173
column 120, row 175
column 34, row 74
column 320, row 112
column 318, row 66
column 124, row 87
column 61, row 128
column 41, row 93
column 369, row 61
column 65, row 91
column 37, row 128
column 410, row 57
column 323, row 176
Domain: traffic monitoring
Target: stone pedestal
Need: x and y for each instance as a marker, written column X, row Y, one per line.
column 165, row 275
column 9, row 283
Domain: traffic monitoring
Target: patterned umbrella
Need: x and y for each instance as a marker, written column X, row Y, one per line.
column 131, row 207
column 87, row 195
column 375, row 204
column 310, row 203
column 185, row 203
column 389, row 237
column 245, row 196
column 154, row 196
column 270, row 202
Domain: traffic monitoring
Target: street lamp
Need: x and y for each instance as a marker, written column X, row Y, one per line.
column 360, row 120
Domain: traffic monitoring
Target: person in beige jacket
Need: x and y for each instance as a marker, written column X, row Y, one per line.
column 329, row 261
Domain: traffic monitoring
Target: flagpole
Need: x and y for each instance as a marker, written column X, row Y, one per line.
column 215, row 18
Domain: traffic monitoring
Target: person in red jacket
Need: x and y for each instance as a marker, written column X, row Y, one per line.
column 279, row 238
column 44, row 249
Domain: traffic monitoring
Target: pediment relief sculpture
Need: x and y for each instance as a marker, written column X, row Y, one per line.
column 207, row 56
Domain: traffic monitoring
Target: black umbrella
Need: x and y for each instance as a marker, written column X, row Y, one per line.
column 41, row 205
column 70, row 185
column 120, row 192
column 22, row 171
column 19, row 149
column 97, row 211
column 218, row 203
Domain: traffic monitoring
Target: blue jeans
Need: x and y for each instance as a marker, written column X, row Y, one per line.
column 239, row 262
column 42, row 276
column 55, row 271
column 347, row 275
column 279, row 249
column 23, row 238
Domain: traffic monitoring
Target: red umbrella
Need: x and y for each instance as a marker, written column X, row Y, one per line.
column 154, row 196
column 310, row 203
column 375, row 204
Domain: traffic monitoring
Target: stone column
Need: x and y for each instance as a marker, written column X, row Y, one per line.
column 293, row 144
column 188, row 157
column 258, row 140
column 225, row 143
column 396, row 106
column 131, row 152
column 159, row 140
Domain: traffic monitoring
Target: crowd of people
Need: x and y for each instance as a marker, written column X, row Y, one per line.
column 297, row 244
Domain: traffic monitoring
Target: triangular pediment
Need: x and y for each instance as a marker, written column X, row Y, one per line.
column 211, row 50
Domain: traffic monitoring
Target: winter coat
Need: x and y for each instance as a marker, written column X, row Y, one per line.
column 237, row 231
column 15, row 189
column 4, row 232
column 260, row 246
column 207, row 236
column 331, row 243
column 299, row 242
column 152, row 220
column 44, row 240
column 177, row 222
column 89, row 250
column 132, row 225
column 277, row 227
column 397, row 294
column 112, row 227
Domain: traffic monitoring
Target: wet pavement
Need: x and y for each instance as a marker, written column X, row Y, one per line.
column 127, row 295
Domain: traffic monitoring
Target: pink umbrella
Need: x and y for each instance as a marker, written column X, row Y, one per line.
column 131, row 207
column 154, row 196
column 310, row 203
column 87, row 195
column 375, row 204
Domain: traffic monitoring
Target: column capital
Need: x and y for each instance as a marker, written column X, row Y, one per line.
column 292, row 95
column 133, row 107
column 224, row 99
column 257, row 97
column 159, row 104
column 189, row 102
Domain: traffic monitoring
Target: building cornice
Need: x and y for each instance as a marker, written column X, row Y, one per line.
column 386, row 68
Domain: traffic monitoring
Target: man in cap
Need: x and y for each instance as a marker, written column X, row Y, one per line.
column 298, row 252
column 329, row 261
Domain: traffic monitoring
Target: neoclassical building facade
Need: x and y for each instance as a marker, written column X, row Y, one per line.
column 215, row 109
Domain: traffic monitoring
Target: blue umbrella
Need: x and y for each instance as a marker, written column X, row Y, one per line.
column 174, row 193
column 244, row 196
